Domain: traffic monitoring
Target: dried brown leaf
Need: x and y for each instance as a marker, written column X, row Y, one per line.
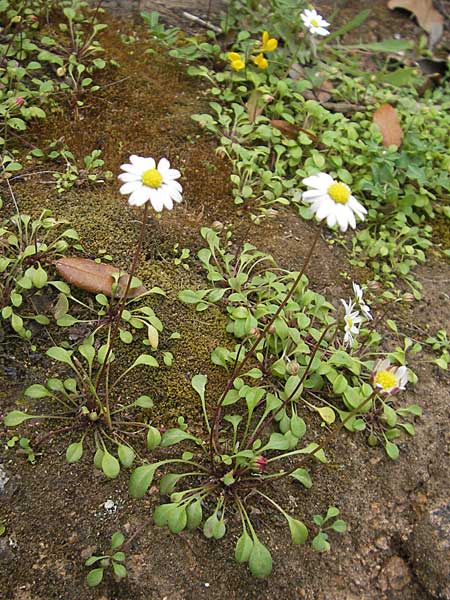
column 94, row 277
column 290, row 130
column 427, row 16
column 386, row 119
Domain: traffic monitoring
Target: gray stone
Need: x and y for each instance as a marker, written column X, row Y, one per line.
column 429, row 549
column 3, row 480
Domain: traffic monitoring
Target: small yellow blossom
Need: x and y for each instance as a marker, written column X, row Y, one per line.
column 268, row 44
column 261, row 61
column 237, row 63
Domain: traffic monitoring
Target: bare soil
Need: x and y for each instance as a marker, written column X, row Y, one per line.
column 54, row 512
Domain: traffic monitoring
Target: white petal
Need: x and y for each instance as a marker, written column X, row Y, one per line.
column 131, row 169
column 319, row 181
column 311, row 195
column 139, row 197
column 357, row 207
column 341, row 216
column 163, row 165
column 172, row 174
column 320, row 31
column 125, row 177
column 156, row 199
column 331, row 220
column 350, row 217
column 130, row 187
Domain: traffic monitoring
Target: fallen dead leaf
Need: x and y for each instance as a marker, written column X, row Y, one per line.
column 427, row 16
column 94, row 277
column 386, row 119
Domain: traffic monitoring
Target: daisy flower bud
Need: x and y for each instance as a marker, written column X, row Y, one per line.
column 19, row 101
column 333, row 201
column 145, row 181
column 261, row 463
column 387, row 379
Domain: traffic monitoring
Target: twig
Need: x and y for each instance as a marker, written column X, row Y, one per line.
column 200, row 21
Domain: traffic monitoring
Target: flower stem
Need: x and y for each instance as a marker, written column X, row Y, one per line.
column 123, row 301
column 214, row 435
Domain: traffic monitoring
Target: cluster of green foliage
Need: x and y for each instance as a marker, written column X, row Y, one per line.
column 403, row 188
column 38, row 64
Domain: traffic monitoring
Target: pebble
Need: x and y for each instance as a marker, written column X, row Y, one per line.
column 395, row 574
column 3, row 480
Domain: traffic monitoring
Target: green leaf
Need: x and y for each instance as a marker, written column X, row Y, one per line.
column 177, row 519
column 141, row 479
column 332, row 511
column 198, row 382
column 119, row 556
column 94, row 577
column 119, row 570
column 303, row 476
column 260, row 560
column 168, row 482
column 162, row 512
column 98, row 457
column 37, row 391
column 299, row 531
column 117, row 539
column 145, row 359
column 319, row 455
column 297, row 426
column 60, row 354
column 144, row 402
column 153, row 437
column 357, row 21
column 339, row 525
column 386, row 46
column 392, row 450
column 16, row 417
column 320, row 543
column 243, row 548
column 327, row 414
column 194, row 514
column 126, row 455
column 110, row 465
column 74, row 452
column 92, row 560
column 174, row 436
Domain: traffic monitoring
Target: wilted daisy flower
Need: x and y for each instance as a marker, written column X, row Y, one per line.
column 237, row 63
column 145, row 181
column 387, row 379
column 352, row 320
column 333, row 201
column 314, row 22
column 365, row 309
column 268, row 44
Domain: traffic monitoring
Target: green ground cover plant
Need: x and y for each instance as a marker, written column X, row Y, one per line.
column 292, row 111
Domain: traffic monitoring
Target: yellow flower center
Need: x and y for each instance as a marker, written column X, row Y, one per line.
column 314, row 23
column 152, row 178
column 349, row 322
column 339, row 193
column 385, row 379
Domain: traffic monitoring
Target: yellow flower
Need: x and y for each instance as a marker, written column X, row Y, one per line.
column 236, row 61
column 268, row 44
column 261, row 61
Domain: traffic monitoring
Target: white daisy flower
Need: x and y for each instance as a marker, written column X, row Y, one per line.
column 352, row 320
column 314, row 22
column 333, row 201
column 145, row 181
column 365, row 309
column 387, row 379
